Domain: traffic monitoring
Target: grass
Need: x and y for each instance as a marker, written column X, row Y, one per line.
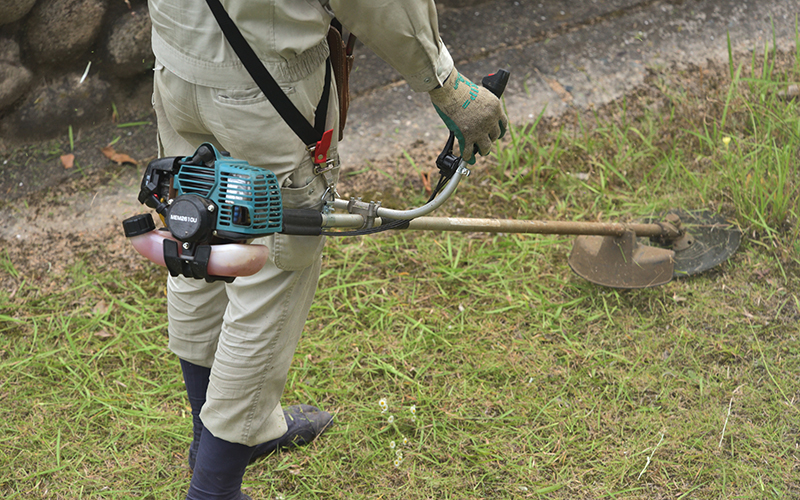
column 526, row 381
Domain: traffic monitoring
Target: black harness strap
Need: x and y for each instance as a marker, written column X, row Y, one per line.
column 280, row 101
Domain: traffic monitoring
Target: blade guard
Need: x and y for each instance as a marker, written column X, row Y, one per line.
column 709, row 240
column 621, row 262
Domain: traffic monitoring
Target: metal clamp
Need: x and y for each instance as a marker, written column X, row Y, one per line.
column 326, row 171
column 369, row 211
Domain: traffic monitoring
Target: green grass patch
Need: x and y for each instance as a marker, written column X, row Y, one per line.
column 502, row 375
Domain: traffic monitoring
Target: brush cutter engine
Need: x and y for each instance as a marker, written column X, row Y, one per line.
column 206, row 200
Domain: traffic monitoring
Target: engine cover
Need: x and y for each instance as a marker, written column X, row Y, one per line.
column 247, row 199
column 207, row 200
column 214, row 195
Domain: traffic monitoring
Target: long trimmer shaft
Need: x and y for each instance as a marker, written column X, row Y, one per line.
column 467, row 225
column 310, row 222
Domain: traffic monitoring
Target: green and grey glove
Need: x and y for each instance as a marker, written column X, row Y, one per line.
column 472, row 113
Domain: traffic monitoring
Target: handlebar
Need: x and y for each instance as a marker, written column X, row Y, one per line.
column 361, row 214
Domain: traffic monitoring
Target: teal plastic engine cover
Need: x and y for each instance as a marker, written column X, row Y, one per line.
column 247, row 199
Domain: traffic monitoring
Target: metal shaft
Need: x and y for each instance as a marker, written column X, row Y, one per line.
column 539, row 227
column 468, row 225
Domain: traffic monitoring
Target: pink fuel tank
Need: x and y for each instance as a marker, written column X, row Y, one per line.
column 229, row 259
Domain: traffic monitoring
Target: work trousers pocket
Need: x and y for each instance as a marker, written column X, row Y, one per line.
column 292, row 252
column 305, row 190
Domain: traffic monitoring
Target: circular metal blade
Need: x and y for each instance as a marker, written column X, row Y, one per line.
column 710, row 240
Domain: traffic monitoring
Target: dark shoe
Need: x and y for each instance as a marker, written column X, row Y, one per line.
column 305, row 423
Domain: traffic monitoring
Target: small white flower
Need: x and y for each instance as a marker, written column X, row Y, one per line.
column 390, row 419
column 383, row 404
column 397, row 462
column 413, row 409
column 405, row 441
column 392, row 444
column 399, row 454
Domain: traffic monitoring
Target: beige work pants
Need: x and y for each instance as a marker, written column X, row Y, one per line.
column 246, row 331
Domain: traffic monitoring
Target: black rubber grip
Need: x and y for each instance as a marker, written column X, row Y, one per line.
column 138, row 224
column 302, row 221
column 496, row 82
column 396, row 223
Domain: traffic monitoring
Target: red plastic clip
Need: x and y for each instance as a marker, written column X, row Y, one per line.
column 321, row 149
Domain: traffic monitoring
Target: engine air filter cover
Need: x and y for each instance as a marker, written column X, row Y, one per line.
column 190, row 218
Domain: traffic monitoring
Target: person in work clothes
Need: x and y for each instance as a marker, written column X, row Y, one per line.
column 235, row 341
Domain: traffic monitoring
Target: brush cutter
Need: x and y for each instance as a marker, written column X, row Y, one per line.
column 213, row 204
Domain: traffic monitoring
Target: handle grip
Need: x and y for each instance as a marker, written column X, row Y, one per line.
column 447, row 161
column 496, row 84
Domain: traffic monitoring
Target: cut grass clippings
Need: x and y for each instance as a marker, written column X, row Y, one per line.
column 502, row 375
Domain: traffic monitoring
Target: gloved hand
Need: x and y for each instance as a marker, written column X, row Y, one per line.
column 471, row 112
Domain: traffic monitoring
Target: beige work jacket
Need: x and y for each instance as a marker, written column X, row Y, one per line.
column 289, row 38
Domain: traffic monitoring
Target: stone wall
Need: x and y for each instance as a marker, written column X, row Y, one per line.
column 60, row 60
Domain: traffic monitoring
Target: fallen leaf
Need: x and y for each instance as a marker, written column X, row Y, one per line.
column 118, row 158
column 559, row 89
column 68, row 160
column 426, row 183
column 100, row 308
column 103, row 334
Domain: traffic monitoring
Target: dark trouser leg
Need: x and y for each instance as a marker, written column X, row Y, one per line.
column 219, row 469
column 196, row 379
column 218, row 466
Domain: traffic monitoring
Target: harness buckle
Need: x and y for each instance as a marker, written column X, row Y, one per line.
column 320, row 168
column 319, row 151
